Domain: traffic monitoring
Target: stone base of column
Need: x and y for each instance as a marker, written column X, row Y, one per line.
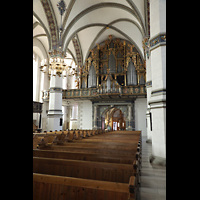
column 54, row 121
column 130, row 128
column 149, row 141
column 44, row 124
column 157, row 160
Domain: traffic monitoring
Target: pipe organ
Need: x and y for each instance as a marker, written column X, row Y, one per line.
column 111, row 65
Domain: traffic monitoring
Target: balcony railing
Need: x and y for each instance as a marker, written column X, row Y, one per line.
column 37, row 107
column 93, row 93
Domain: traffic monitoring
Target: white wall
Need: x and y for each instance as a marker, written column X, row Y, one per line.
column 140, row 115
column 84, row 115
column 36, row 79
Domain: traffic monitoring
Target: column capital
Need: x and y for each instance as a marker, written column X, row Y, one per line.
column 55, row 90
column 146, row 46
column 56, row 52
column 157, row 40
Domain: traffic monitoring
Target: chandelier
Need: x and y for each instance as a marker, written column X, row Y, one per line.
column 58, row 65
column 58, row 61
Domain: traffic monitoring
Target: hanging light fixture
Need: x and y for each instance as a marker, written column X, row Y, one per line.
column 58, row 61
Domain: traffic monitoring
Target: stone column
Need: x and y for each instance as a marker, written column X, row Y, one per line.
column 130, row 128
column 55, row 103
column 157, row 100
column 66, row 117
column 148, row 87
column 45, row 102
column 95, row 117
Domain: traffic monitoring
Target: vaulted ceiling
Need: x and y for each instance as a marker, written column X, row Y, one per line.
column 86, row 23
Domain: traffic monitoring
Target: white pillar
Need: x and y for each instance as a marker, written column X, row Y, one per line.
column 95, row 117
column 55, row 103
column 44, row 86
column 148, row 87
column 157, row 100
column 130, row 118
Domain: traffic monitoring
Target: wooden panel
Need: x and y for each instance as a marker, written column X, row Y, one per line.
column 90, row 194
column 81, row 193
column 75, row 168
column 110, row 195
column 99, row 173
column 99, row 158
column 100, row 185
column 106, row 175
column 121, row 196
column 100, row 195
column 47, row 190
column 73, row 191
column 83, row 156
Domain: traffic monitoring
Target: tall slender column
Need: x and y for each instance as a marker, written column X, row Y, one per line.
column 55, row 103
column 130, row 128
column 95, row 117
column 45, row 85
column 157, row 100
column 148, row 88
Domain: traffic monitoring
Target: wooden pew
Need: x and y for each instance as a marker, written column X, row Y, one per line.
column 112, row 172
column 78, row 150
column 119, row 137
column 104, row 145
column 101, row 148
column 35, row 141
column 84, row 133
column 43, row 140
column 90, row 150
column 39, row 141
column 83, row 156
column 58, row 187
column 91, row 157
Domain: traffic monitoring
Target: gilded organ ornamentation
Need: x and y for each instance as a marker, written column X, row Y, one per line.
column 112, row 58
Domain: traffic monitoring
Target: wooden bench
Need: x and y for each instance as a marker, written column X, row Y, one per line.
column 58, row 187
column 41, row 140
column 90, row 150
column 60, row 137
column 92, row 157
column 110, row 157
column 103, row 148
column 104, row 145
column 113, row 172
column 83, row 156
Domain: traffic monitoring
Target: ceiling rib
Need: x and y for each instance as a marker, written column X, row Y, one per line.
column 94, row 7
column 52, row 23
column 105, row 26
column 44, row 27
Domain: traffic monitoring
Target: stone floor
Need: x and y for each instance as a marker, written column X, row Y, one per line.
column 153, row 177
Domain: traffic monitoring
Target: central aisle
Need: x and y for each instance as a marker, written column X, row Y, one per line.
column 153, row 177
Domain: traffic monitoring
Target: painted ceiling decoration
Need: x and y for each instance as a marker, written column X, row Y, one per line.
column 52, row 22
column 86, row 23
column 98, row 6
column 77, row 47
column 69, row 8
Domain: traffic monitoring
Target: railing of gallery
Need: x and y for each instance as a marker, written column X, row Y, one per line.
column 96, row 92
column 37, row 107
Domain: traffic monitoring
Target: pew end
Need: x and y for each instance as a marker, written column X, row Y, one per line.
column 35, row 141
column 132, row 188
column 136, row 171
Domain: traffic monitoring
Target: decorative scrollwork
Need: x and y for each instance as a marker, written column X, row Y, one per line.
column 123, row 53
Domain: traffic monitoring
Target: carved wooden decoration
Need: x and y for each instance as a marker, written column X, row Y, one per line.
column 112, row 58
